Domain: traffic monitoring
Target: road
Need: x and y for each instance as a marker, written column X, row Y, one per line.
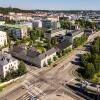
column 44, row 84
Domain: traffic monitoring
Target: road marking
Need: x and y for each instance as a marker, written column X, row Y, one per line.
column 70, row 80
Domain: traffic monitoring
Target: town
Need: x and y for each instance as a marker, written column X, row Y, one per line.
column 41, row 53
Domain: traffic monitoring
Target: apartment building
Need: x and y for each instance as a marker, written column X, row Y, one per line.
column 52, row 33
column 17, row 30
column 48, row 24
column 37, row 24
column 29, row 24
column 3, row 38
column 7, row 64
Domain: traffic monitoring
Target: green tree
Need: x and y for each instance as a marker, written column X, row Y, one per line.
column 49, row 62
column 55, row 58
column 90, row 70
column 22, row 68
column 8, row 76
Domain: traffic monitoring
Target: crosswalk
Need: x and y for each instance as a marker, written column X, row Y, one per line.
column 32, row 90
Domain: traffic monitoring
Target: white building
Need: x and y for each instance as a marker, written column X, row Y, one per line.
column 7, row 63
column 3, row 38
column 37, row 24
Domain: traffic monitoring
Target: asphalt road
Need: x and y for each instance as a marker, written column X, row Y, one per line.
column 46, row 83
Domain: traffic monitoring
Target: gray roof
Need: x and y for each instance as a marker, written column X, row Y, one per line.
column 32, row 48
column 61, row 46
column 5, row 58
column 47, row 53
column 74, row 33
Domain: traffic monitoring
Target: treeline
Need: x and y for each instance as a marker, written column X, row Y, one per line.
column 17, row 10
column 85, row 24
column 90, row 62
column 10, row 9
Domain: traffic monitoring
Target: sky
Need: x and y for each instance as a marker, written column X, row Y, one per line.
column 53, row 4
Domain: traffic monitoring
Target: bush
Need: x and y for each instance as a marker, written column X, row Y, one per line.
column 55, row 58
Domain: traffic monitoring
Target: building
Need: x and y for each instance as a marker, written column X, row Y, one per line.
column 89, row 31
column 53, row 18
column 37, row 24
column 20, row 16
column 32, row 52
column 74, row 27
column 7, row 64
column 17, row 30
column 42, row 59
column 29, row 24
column 52, row 33
column 48, row 24
column 3, row 38
column 71, row 35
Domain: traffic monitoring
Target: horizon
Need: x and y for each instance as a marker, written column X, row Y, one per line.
column 50, row 5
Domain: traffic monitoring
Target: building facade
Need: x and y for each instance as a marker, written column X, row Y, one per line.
column 52, row 33
column 7, row 64
column 3, row 38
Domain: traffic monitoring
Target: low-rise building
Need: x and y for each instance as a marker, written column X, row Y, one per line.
column 3, row 38
column 89, row 31
column 42, row 59
column 52, row 33
column 71, row 35
column 7, row 64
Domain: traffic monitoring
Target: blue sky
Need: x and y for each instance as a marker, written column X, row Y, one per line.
column 53, row 4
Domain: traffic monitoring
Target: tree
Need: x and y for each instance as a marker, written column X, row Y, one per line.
column 90, row 70
column 49, row 62
column 55, row 58
column 53, row 41
column 9, row 41
column 65, row 24
column 8, row 76
column 22, row 68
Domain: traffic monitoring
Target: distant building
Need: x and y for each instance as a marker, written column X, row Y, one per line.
column 29, row 24
column 7, row 64
column 20, row 16
column 52, row 33
column 47, row 24
column 3, row 38
column 17, row 30
column 53, row 18
column 37, row 24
